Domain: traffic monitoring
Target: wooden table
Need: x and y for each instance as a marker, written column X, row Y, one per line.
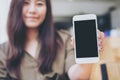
column 111, row 58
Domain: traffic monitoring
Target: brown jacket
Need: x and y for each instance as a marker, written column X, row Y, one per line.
column 29, row 68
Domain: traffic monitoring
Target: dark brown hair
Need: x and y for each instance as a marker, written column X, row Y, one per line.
column 48, row 36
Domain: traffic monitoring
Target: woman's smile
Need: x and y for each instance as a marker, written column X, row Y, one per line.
column 34, row 13
column 31, row 18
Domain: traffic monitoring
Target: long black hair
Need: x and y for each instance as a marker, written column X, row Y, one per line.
column 49, row 38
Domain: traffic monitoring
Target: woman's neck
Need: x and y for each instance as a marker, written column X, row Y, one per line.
column 31, row 42
column 32, row 34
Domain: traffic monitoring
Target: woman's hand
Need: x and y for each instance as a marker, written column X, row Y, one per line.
column 100, row 40
column 82, row 71
column 100, row 36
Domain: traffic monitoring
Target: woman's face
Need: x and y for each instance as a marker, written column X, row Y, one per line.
column 34, row 13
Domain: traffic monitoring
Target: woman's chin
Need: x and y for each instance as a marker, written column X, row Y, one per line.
column 32, row 26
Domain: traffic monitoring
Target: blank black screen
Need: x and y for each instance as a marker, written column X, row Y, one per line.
column 86, row 40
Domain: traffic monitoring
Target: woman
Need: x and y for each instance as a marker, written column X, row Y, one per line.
column 35, row 50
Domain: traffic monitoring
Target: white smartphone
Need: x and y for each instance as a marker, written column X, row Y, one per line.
column 85, row 35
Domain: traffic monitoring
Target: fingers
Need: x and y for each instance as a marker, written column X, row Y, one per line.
column 100, row 35
column 100, row 41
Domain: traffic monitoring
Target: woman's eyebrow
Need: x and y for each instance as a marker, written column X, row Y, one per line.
column 41, row 0
column 36, row 0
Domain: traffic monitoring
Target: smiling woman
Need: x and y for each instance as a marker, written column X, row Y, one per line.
column 34, row 13
column 35, row 50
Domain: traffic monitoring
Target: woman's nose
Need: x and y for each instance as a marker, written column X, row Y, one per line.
column 32, row 8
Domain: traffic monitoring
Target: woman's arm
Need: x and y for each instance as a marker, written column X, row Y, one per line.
column 83, row 71
column 80, row 71
column 3, row 71
column 3, row 55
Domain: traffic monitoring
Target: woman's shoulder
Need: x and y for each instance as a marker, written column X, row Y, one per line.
column 4, row 48
column 64, row 34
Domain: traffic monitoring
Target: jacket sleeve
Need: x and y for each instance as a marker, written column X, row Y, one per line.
column 70, row 56
column 3, row 70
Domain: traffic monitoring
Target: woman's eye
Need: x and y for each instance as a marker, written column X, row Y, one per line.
column 26, row 3
column 39, row 4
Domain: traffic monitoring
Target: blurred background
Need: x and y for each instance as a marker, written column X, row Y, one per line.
column 108, row 15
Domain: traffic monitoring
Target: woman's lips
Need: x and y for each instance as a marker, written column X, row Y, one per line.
column 31, row 18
